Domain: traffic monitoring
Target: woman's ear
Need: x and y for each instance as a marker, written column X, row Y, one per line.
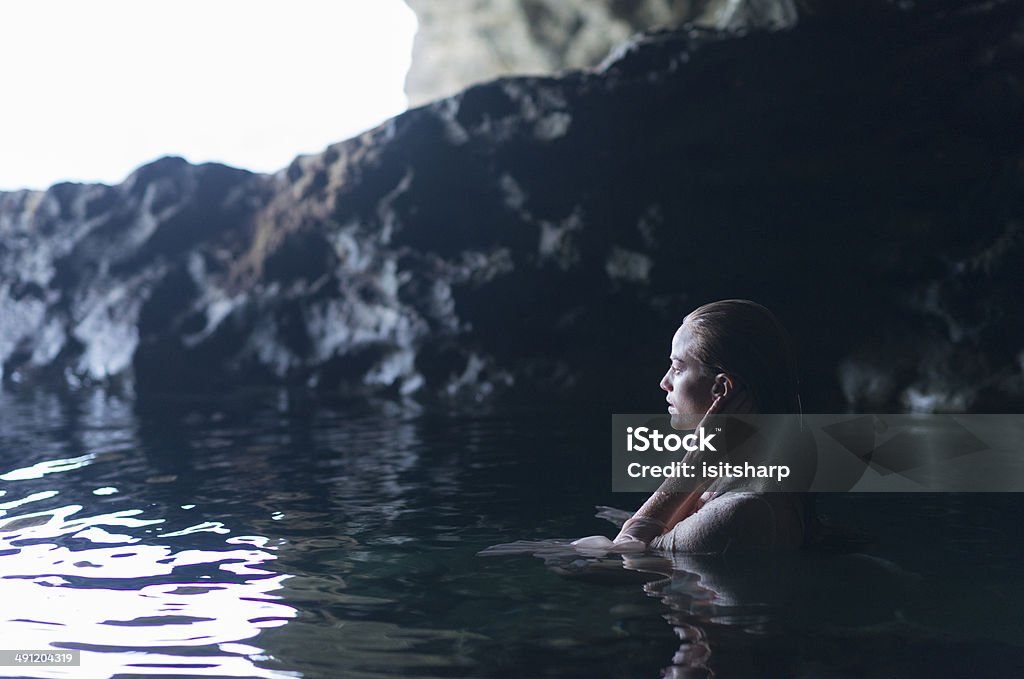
column 722, row 386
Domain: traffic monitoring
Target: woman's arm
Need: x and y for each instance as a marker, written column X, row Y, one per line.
column 676, row 499
column 648, row 522
column 663, row 510
column 666, row 507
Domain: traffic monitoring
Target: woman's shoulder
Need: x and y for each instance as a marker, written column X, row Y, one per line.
column 737, row 520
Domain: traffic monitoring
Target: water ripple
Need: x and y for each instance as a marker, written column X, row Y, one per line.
column 133, row 599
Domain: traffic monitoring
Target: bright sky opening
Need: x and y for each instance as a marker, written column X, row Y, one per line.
column 93, row 89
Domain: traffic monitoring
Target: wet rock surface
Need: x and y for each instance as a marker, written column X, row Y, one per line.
column 540, row 238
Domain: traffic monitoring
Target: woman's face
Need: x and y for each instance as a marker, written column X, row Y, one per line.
column 687, row 383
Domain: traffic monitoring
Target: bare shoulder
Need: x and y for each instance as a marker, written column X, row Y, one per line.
column 736, row 521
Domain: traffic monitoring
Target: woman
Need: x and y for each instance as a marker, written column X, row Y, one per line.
column 727, row 357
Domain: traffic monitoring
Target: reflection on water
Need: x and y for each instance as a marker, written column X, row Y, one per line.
column 133, row 593
column 240, row 537
column 797, row 614
column 271, row 535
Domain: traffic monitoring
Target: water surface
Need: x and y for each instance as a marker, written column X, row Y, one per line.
column 278, row 535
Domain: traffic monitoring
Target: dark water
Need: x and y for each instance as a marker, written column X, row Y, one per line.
column 273, row 535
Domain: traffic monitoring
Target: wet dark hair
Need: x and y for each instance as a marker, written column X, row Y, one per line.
column 746, row 341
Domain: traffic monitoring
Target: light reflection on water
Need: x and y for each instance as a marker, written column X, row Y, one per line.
column 200, row 538
column 89, row 561
column 129, row 594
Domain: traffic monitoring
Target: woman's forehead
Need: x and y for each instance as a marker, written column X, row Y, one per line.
column 682, row 340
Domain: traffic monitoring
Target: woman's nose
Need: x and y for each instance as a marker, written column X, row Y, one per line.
column 666, row 384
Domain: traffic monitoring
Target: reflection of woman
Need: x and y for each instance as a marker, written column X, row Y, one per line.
column 731, row 356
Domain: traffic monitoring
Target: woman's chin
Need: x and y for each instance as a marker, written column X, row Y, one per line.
column 681, row 421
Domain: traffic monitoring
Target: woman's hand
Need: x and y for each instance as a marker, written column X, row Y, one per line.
column 637, row 532
column 739, row 401
column 600, row 543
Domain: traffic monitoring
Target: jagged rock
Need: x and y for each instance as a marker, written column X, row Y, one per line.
column 459, row 44
column 83, row 266
column 541, row 237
